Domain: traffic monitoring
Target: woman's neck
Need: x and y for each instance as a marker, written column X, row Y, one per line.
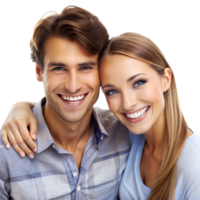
column 155, row 138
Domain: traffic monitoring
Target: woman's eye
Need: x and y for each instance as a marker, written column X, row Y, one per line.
column 138, row 83
column 110, row 92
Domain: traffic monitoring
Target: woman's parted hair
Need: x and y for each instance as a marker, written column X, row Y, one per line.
column 75, row 24
column 139, row 47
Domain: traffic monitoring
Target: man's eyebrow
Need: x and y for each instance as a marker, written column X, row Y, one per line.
column 59, row 64
column 53, row 64
column 87, row 63
column 130, row 79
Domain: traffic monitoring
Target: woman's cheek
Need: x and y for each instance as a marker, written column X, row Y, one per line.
column 151, row 93
column 113, row 104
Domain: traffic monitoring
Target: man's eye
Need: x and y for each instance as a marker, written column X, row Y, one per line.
column 138, row 83
column 111, row 92
column 86, row 68
column 58, row 68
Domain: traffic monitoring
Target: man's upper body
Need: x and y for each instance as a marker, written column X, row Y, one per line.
column 81, row 152
column 54, row 174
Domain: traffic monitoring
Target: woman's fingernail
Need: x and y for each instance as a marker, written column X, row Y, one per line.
column 34, row 136
column 35, row 150
column 7, row 146
column 31, row 156
column 22, row 154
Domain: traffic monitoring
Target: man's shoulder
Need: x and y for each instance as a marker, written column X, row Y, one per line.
column 1, row 142
column 114, row 128
column 107, row 118
column 9, row 156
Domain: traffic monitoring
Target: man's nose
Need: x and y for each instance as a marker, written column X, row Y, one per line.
column 73, row 82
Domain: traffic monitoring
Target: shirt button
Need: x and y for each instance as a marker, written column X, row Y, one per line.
column 78, row 188
column 74, row 174
column 53, row 146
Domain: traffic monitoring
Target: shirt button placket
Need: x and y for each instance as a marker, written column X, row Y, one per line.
column 78, row 188
column 75, row 174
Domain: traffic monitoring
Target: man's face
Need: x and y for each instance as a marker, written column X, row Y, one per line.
column 70, row 77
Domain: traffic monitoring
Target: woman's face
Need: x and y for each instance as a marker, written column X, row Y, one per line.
column 134, row 91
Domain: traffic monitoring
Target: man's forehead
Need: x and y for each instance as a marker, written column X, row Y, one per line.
column 63, row 50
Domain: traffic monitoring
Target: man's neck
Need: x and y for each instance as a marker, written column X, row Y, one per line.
column 69, row 136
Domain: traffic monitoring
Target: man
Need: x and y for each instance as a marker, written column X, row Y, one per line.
column 82, row 151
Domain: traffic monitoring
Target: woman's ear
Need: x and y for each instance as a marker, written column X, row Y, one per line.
column 38, row 72
column 167, row 79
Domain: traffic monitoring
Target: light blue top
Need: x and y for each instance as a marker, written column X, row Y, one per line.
column 53, row 173
column 188, row 172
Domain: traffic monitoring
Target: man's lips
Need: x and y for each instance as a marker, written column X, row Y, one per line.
column 74, row 100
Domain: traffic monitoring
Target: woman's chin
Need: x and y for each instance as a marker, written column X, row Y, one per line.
column 137, row 130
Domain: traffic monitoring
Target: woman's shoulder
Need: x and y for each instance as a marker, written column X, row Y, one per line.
column 190, row 154
column 192, row 145
column 188, row 166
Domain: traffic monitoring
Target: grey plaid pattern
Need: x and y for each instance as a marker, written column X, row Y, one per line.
column 53, row 173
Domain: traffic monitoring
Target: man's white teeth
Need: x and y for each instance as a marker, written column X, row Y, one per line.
column 137, row 114
column 77, row 98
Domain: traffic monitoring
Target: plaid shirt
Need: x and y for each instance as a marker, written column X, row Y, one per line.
column 53, row 173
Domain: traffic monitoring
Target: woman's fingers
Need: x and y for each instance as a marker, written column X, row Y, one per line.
column 15, row 131
column 21, row 136
column 27, row 141
column 12, row 132
column 33, row 128
column 12, row 141
column 4, row 138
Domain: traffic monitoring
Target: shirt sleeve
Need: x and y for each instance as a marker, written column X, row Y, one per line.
column 3, row 193
column 193, row 183
column 188, row 170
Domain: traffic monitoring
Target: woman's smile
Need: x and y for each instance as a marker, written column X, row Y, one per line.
column 137, row 116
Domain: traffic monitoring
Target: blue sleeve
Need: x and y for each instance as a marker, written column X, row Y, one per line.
column 193, row 186
column 3, row 192
column 188, row 170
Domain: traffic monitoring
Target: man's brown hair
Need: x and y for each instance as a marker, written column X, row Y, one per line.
column 75, row 24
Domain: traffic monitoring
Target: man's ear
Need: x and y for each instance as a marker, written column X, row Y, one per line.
column 167, row 79
column 38, row 72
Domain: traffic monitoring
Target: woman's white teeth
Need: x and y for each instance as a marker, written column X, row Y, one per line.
column 77, row 98
column 137, row 114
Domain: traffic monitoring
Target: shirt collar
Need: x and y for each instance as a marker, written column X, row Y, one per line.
column 44, row 138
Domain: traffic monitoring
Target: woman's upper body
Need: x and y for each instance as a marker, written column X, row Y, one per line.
column 187, row 171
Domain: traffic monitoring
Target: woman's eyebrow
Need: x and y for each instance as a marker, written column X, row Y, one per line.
column 129, row 79
column 132, row 77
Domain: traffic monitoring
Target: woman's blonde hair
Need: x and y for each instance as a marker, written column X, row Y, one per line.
column 139, row 47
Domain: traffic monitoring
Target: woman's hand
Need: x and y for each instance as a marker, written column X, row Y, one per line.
column 20, row 129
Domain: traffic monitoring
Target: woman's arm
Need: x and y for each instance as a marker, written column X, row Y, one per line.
column 20, row 129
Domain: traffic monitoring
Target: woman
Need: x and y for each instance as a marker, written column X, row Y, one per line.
column 140, row 89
